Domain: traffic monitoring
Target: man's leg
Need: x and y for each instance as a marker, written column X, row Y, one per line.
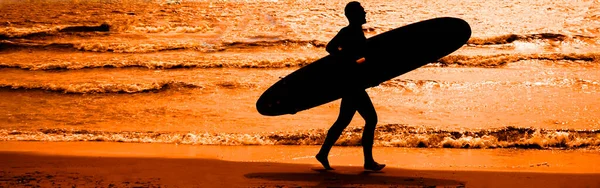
column 366, row 109
column 347, row 110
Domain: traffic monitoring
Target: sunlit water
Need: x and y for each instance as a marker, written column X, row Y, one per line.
column 190, row 72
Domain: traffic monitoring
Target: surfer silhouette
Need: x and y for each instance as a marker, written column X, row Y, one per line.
column 348, row 47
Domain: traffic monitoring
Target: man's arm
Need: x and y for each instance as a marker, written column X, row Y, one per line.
column 333, row 47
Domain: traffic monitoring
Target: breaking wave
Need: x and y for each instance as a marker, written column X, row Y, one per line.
column 406, row 85
column 484, row 61
column 40, row 40
column 48, row 32
column 509, row 38
column 390, row 135
column 95, row 88
column 282, row 42
column 499, row 60
column 89, row 88
column 120, row 47
column 208, row 63
column 416, row 86
column 15, row 33
column 107, row 47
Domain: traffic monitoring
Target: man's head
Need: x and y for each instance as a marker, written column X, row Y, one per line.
column 355, row 13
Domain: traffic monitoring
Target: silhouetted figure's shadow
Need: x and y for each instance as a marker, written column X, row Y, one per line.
column 331, row 178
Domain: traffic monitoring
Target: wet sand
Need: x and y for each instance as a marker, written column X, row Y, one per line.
column 87, row 164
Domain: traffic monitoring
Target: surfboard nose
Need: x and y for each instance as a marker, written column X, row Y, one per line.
column 268, row 106
column 264, row 108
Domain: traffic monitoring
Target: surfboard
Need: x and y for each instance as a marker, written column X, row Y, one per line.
column 389, row 54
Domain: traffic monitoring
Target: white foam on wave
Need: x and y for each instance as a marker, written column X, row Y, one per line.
column 391, row 135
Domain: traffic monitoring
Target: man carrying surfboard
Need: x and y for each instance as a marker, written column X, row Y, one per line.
column 348, row 47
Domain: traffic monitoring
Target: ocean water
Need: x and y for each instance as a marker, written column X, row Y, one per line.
column 190, row 72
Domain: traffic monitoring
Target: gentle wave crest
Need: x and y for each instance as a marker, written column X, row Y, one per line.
column 499, row 60
column 406, row 85
column 87, row 88
column 390, row 135
column 485, row 61
column 197, row 63
column 43, row 40
column 510, row 38
column 416, row 86
column 123, row 47
column 49, row 32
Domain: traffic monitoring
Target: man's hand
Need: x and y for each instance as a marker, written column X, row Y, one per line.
column 361, row 60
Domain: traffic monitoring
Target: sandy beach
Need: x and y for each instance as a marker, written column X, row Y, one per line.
column 81, row 164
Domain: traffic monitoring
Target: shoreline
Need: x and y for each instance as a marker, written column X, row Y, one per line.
column 52, row 164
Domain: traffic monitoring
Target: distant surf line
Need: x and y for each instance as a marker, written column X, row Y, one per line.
column 405, row 85
column 42, row 40
column 481, row 61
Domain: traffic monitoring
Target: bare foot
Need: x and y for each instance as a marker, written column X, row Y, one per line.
column 323, row 160
column 374, row 166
